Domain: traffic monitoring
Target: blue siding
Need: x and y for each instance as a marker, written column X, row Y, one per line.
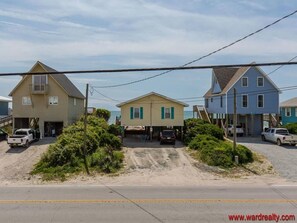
column 3, row 108
column 290, row 119
column 215, row 105
column 271, row 95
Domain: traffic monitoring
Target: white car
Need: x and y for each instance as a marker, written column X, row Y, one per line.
column 279, row 136
column 239, row 130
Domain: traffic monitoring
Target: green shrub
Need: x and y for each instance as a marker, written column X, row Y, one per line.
column 107, row 139
column 102, row 113
column 244, row 154
column 204, row 129
column 219, row 156
column 292, row 128
column 202, row 141
column 94, row 121
column 115, row 129
column 107, row 160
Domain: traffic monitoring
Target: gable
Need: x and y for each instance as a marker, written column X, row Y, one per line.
column 154, row 97
column 60, row 79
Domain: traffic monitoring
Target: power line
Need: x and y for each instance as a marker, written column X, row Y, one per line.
column 280, row 66
column 207, row 55
column 150, row 69
column 112, row 99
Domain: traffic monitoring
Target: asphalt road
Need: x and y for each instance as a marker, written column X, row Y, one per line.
column 143, row 204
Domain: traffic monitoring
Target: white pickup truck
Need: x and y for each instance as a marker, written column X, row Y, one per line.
column 279, row 136
column 22, row 137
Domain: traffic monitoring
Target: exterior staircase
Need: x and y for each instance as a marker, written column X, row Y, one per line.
column 6, row 121
column 201, row 112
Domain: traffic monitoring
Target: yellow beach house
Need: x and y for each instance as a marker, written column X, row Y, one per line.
column 154, row 112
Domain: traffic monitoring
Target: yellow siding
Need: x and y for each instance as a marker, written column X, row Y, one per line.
column 40, row 107
column 152, row 103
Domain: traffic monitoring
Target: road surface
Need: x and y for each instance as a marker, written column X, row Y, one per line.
column 143, row 204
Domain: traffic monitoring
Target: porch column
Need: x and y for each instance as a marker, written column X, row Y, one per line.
column 270, row 121
column 253, row 121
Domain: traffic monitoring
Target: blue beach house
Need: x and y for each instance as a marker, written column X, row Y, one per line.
column 4, row 106
column 288, row 111
column 256, row 96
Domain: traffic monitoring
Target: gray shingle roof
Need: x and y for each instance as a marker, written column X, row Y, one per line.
column 64, row 82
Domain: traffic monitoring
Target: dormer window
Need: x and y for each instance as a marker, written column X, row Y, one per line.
column 244, row 82
column 39, row 82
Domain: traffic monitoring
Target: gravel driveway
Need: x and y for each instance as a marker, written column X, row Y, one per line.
column 16, row 163
column 283, row 158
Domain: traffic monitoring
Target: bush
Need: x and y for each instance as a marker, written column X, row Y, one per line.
column 115, row 129
column 102, row 113
column 292, row 128
column 204, row 129
column 219, row 156
column 94, row 121
column 202, row 141
column 107, row 139
column 107, row 160
column 244, row 154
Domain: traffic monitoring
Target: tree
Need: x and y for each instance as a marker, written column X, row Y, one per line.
column 102, row 113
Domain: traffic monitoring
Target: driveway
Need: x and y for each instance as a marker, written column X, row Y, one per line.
column 283, row 158
column 16, row 163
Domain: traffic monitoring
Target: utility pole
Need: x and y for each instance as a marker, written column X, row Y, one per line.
column 234, row 121
column 85, row 131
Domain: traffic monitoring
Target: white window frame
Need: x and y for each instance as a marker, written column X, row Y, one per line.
column 134, row 112
column 53, row 100
column 258, row 100
column 26, row 100
column 258, row 81
column 167, row 113
column 74, row 101
column 247, row 81
column 288, row 110
column 247, row 101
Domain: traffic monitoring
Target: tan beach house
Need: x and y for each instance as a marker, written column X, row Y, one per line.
column 153, row 111
column 47, row 102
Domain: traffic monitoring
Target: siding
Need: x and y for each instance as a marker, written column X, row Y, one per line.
column 271, row 95
column 215, row 105
column 290, row 119
column 3, row 108
column 155, row 119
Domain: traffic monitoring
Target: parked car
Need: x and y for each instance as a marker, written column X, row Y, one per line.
column 3, row 135
column 23, row 137
column 279, row 136
column 239, row 130
column 167, row 136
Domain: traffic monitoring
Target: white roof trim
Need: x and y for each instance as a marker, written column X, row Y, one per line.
column 4, row 99
column 149, row 94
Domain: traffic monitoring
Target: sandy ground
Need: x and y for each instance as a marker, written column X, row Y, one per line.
column 16, row 163
column 146, row 164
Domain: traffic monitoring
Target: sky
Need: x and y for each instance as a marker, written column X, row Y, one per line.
column 97, row 34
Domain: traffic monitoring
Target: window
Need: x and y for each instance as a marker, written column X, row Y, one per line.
column 244, row 101
column 26, row 101
column 260, row 101
column 136, row 112
column 244, row 82
column 288, row 112
column 74, row 101
column 211, row 99
column 53, row 100
column 167, row 113
column 221, row 101
column 39, row 82
column 260, row 81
